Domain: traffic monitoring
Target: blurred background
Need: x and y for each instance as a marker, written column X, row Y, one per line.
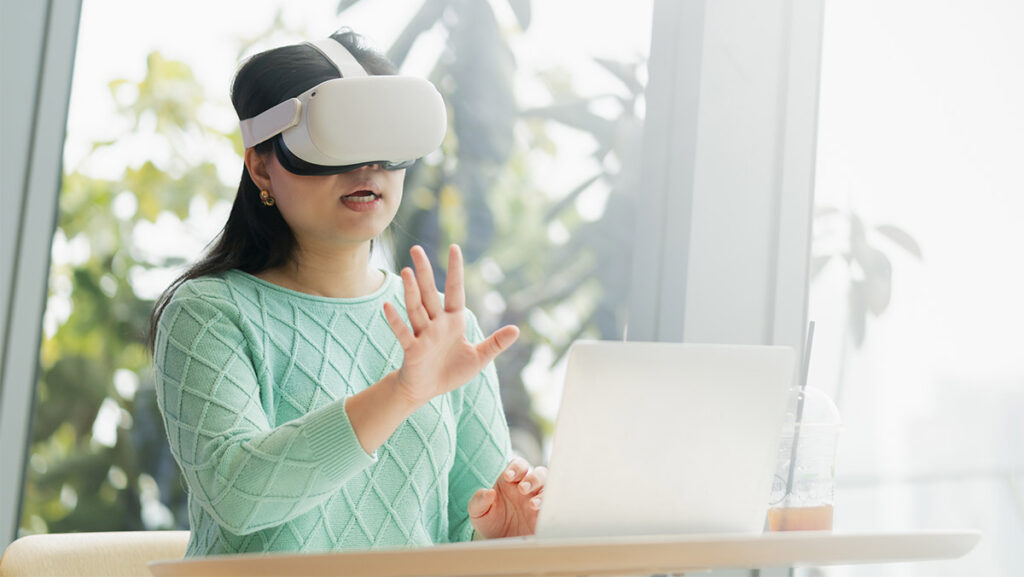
column 535, row 180
column 914, row 293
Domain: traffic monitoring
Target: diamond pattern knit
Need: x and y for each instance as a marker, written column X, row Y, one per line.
column 251, row 382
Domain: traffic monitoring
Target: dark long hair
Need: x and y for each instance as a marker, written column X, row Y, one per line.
column 256, row 237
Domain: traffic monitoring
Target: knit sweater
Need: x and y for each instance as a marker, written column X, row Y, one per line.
column 252, row 380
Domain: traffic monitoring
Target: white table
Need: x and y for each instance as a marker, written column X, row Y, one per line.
column 520, row 557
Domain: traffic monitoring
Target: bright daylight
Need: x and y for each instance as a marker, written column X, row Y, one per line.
column 511, row 287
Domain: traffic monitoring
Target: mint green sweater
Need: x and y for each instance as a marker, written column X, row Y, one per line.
column 251, row 382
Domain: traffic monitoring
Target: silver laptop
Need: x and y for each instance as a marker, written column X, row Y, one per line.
column 665, row 438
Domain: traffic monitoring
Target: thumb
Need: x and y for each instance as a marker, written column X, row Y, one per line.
column 481, row 503
column 499, row 340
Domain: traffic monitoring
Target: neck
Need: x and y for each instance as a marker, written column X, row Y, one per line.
column 337, row 272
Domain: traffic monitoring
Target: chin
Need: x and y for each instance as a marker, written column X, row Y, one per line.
column 349, row 239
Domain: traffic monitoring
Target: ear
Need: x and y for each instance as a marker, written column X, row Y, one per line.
column 256, row 164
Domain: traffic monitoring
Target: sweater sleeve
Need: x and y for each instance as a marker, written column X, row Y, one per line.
column 482, row 446
column 245, row 473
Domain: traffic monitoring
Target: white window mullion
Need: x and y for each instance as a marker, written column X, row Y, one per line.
column 723, row 235
column 723, row 230
column 658, row 289
column 38, row 56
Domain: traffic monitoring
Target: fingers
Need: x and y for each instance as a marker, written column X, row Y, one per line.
column 418, row 316
column 533, row 482
column 398, row 326
column 499, row 340
column 516, row 470
column 481, row 503
column 528, row 481
column 454, row 290
column 425, row 277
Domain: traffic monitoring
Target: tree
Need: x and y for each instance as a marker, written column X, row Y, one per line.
column 843, row 237
column 481, row 195
column 97, row 439
column 99, row 455
column 453, row 200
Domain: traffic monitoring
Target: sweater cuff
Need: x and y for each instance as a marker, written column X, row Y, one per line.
column 333, row 440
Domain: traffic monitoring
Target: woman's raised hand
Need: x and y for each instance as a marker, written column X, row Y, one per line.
column 438, row 356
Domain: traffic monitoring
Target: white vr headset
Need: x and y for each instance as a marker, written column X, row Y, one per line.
column 345, row 123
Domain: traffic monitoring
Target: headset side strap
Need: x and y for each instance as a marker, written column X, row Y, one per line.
column 271, row 122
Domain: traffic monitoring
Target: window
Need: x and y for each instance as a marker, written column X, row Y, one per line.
column 918, row 173
column 535, row 184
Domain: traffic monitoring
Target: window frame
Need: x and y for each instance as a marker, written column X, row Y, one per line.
column 696, row 178
column 687, row 190
column 39, row 41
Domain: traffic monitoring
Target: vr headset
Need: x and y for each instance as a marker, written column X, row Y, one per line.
column 345, row 123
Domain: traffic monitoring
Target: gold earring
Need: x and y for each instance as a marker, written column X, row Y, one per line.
column 266, row 198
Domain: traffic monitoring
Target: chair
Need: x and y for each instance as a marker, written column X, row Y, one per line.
column 113, row 554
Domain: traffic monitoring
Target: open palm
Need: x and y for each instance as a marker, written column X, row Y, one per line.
column 438, row 356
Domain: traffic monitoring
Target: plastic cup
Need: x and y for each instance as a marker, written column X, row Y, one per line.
column 803, row 488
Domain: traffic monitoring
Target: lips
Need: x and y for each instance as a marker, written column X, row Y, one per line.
column 361, row 196
column 365, row 198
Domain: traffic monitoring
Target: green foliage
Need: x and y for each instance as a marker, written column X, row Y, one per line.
column 77, row 481
column 169, row 93
column 480, row 194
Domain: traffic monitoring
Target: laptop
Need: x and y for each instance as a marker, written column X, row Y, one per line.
column 665, row 439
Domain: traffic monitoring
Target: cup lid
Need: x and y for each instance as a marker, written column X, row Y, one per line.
column 812, row 406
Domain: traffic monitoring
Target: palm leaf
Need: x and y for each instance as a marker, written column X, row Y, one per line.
column 901, row 238
column 428, row 15
column 521, row 8
column 568, row 199
column 560, row 351
column 344, row 5
column 625, row 72
column 818, row 264
column 857, row 312
column 877, row 281
column 557, row 289
column 577, row 115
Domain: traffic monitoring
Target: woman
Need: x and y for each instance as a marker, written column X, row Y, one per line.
column 315, row 403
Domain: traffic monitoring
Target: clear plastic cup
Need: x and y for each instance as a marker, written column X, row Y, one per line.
column 803, row 488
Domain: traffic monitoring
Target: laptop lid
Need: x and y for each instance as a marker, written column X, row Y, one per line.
column 665, row 438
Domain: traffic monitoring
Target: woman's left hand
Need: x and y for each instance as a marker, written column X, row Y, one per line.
column 510, row 508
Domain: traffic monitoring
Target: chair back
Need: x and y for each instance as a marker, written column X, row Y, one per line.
column 108, row 554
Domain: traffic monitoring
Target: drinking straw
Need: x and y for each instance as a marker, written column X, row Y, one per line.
column 799, row 410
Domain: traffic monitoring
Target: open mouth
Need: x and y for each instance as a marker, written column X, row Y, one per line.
column 361, row 196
